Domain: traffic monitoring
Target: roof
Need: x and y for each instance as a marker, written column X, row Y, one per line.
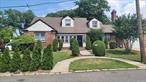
column 80, row 25
column 107, row 28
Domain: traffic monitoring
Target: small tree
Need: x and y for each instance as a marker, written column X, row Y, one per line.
column 5, row 61
column 75, row 48
column 71, row 41
column 95, row 34
column 38, row 51
column 106, row 43
column 26, row 60
column 35, row 62
column 47, row 59
column 15, row 61
column 55, row 45
column 60, row 44
column 88, row 43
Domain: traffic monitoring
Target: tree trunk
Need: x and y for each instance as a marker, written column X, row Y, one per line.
column 139, row 26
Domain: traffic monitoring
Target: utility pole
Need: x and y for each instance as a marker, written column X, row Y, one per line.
column 140, row 32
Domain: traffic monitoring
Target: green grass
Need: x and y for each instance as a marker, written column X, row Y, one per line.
column 59, row 56
column 120, row 53
column 90, row 64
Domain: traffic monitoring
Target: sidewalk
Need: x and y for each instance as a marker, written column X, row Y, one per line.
column 63, row 66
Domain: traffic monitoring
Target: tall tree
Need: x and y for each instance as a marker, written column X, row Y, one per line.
column 126, row 31
column 140, row 33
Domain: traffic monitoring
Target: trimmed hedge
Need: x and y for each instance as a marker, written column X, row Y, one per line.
column 88, row 42
column 75, row 48
column 113, row 45
column 55, row 45
column 60, row 44
column 98, row 48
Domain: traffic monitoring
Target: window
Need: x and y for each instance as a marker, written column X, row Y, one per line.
column 94, row 23
column 40, row 36
column 67, row 22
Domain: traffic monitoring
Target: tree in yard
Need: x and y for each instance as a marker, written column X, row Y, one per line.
column 71, row 41
column 60, row 44
column 47, row 59
column 15, row 61
column 35, row 62
column 38, row 51
column 5, row 61
column 88, row 42
column 95, row 35
column 26, row 60
column 75, row 48
column 55, row 45
column 126, row 31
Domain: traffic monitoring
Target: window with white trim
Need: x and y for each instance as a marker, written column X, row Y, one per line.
column 39, row 36
column 67, row 22
column 94, row 23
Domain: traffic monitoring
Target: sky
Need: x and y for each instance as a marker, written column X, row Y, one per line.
column 121, row 6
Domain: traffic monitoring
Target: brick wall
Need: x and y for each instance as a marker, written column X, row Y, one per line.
column 49, row 37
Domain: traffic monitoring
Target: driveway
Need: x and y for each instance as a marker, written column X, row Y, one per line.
column 102, row 76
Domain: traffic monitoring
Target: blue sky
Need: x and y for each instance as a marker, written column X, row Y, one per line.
column 122, row 6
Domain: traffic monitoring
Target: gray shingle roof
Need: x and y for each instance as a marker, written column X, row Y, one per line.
column 80, row 25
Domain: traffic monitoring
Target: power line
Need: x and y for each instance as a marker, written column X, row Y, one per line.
column 45, row 3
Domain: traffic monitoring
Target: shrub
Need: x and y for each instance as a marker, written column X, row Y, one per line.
column 39, row 49
column 55, row 45
column 0, row 63
column 5, row 61
column 26, row 60
column 106, row 43
column 71, row 41
column 113, row 45
column 75, row 48
column 95, row 34
column 60, row 44
column 15, row 61
column 35, row 62
column 88, row 43
column 23, row 42
column 98, row 48
column 47, row 59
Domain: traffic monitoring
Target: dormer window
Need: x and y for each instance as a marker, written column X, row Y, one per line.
column 94, row 23
column 67, row 22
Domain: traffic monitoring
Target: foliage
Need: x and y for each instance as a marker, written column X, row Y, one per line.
column 5, row 61
column 88, row 43
column 55, row 45
column 106, row 43
column 126, row 30
column 95, row 35
column 23, row 42
column 47, row 59
column 98, row 48
column 60, row 44
column 15, row 61
column 26, row 60
column 71, row 41
column 75, row 48
column 36, row 61
column 112, row 45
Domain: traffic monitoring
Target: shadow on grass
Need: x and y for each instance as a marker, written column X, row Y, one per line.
column 121, row 52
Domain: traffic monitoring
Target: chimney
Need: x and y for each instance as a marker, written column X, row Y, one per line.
column 113, row 15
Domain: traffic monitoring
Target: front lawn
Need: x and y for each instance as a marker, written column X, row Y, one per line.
column 94, row 63
column 119, row 53
column 59, row 56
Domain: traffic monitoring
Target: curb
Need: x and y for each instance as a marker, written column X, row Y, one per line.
column 7, row 74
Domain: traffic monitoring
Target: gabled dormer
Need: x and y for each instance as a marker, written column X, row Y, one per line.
column 67, row 22
column 94, row 24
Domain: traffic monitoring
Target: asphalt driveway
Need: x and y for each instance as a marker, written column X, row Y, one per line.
column 102, row 76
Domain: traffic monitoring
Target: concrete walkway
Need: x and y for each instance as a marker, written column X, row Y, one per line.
column 63, row 66
column 85, row 53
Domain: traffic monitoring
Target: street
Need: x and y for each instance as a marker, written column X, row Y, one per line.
column 102, row 76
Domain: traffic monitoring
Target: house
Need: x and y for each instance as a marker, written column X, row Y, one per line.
column 47, row 29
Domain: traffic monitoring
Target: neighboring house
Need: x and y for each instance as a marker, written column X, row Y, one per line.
column 47, row 29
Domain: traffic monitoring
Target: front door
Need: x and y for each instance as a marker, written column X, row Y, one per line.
column 80, row 38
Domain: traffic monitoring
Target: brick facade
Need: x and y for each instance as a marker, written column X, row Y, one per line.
column 49, row 37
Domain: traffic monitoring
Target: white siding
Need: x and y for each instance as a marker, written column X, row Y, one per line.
column 63, row 22
column 39, row 26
